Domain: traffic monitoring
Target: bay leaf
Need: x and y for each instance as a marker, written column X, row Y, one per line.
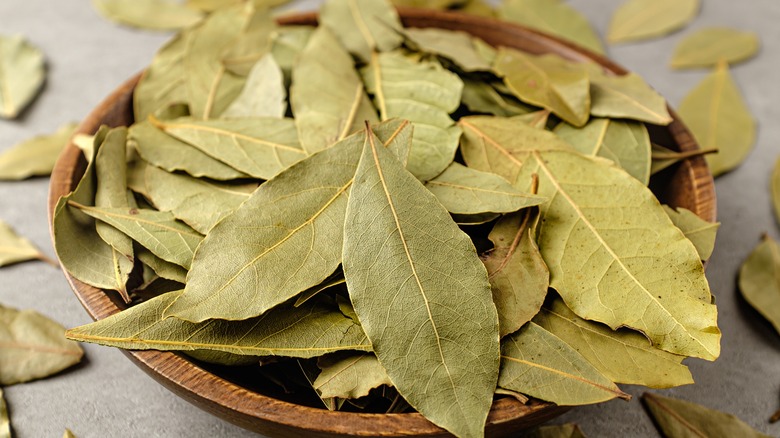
column 663, row 157
column 334, row 281
column 210, row 5
column 643, row 19
column 148, row 14
column 553, row 17
column 34, row 347
column 264, row 93
column 85, row 143
column 627, row 96
column 363, row 26
column 430, row 4
column 537, row 363
column 23, row 73
column 569, row 430
column 514, row 394
column 157, row 231
column 68, row 434
column 683, row 419
column 624, row 356
column 36, row 156
column 700, row 232
column 480, row 8
column 447, row 371
column 643, row 272
column 163, row 269
column 287, row 42
column 163, row 83
column 197, row 202
column 15, row 248
column 168, row 153
column 708, row 46
column 350, row 375
column 481, row 97
column 718, row 117
column 307, row 331
column 425, row 94
column 625, row 143
column 519, row 278
column 5, row 420
column 758, row 280
column 456, row 46
column 325, row 118
column 259, row 147
column 536, row 119
column 253, row 44
column 548, row 81
column 462, row 190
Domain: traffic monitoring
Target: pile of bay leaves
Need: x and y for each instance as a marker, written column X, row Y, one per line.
column 431, row 221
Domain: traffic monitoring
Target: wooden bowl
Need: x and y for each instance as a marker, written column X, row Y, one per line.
column 688, row 185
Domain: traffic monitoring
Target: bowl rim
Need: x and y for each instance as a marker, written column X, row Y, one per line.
column 257, row 412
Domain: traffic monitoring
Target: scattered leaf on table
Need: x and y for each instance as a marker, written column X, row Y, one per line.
column 162, row 84
column 717, row 115
column 5, row 420
column 264, row 93
column 148, row 14
column 23, row 73
column 36, row 156
column 682, row 419
column 34, row 347
column 462, row 190
column 307, row 331
column 626, row 96
column 775, row 188
column 456, row 46
column 644, row 19
column 569, row 430
column 481, row 97
column 625, row 143
column 68, row 434
column 554, row 17
column 758, row 280
column 409, row 296
column 548, row 81
column 350, row 375
column 700, row 232
column 15, row 248
column 624, row 356
column 706, row 47
column 325, row 118
column 425, row 94
column 537, row 363
column 363, row 26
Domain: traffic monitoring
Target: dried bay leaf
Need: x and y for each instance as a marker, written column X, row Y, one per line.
column 459, row 47
column 537, row 363
column 22, row 73
column 264, row 93
column 627, row 96
column 553, row 17
column 548, row 81
column 325, row 118
column 431, row 4
column 254, row 43
column 718, row 117
column 446, row 370
column 307, row 331
column 15, row 248
column 36, row 156
column 363, row 26
column 160, row 267
column 163, row 83
column 481, row 97
column 663, row 157
column 642, row 19
column 625, row 143
column 700, row 232
column 287, row 42
column 758, row 280
column 68, row 434
column 465, row 191
column 706, row 47
column 682, row 419
column 5, row 420
column 425, row 94
column 34, row 347
column 148, row 14
column 623, row 356
column 569, row 430
column 350, row 375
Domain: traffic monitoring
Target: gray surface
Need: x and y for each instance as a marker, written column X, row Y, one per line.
column 109, row 396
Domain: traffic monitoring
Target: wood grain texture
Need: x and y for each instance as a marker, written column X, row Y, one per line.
column 688, row 184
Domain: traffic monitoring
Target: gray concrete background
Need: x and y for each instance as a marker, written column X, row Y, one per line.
column 108, row 396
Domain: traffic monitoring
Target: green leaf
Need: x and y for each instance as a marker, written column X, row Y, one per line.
column 758, row 280
column 708, row 46
column 421, row 294
column 555, row 18
column 569, row 430
column 627, row 96
column 259, row 147
column 682, row 419
column 625, row 143
column 264, row 93
column 350, row 375
column 15, row 248
column 363, row 26
column 22, row 72
column 163, row 83
column 5, row 420
column 425, row 94
column 324, row 118
column 717, row 115
column 643, row 19
column 307, row 331
column 36, row 156
column 34, row 347
column 537, row 363
column 700, row 232
column 148, row 14
column 624, row 356
column 456, row 46
column 481, row 97
column 462, row 190
column 547, row 81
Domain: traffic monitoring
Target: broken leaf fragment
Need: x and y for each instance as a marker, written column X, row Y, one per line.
column 23, row 73
column 36, row 156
